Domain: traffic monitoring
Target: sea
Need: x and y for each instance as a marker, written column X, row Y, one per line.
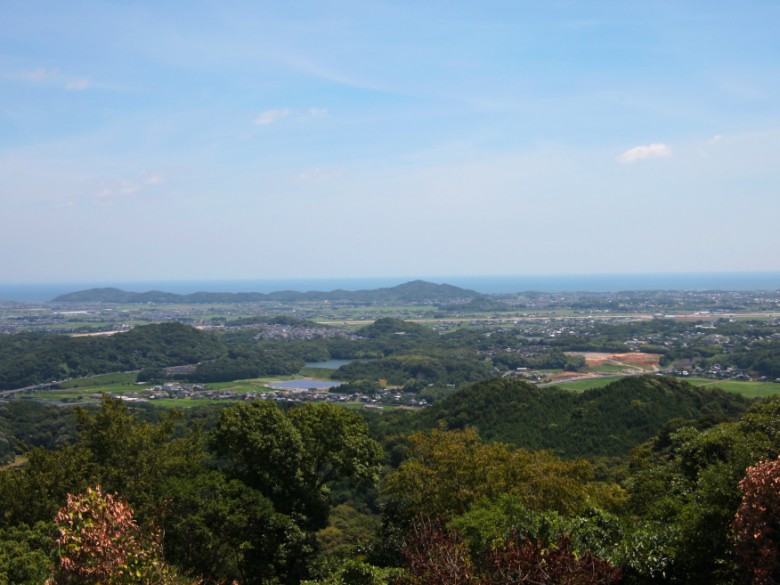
column 731, row 281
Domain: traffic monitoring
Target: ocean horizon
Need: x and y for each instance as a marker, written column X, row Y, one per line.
column 723, row 281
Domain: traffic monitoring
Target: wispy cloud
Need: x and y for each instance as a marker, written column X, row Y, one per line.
column 113, row 190
column 318, row 112
column 78, row 84
column 271, row 116
column 715, row 139
column 643, row 152
column 53, row 78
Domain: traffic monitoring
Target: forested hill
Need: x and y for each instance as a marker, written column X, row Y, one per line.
column 604, row 421
column 410, row 292
column 27, row 358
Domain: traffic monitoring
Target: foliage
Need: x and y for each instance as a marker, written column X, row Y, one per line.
column 688, row 479
column 448, row 471
column 24, row 558
column 242, row 364
column 358, row 572
column 290, row 458
column 757, row 523
column 100, row 543
column 410, row 369
column 223, row 530
column 134, row 457
column 347, row 530
column 438, row 557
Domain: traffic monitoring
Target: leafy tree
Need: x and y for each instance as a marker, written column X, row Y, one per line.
column 757, row 523
column 264, row 449
column 448, row 471
column 336, row 444
column 357, row 572
column 24, row 558
column 291, row 458
column 35, row 491
column 100, row 543
column 435, row 556
column 688, row 480
column 133, row 457
column 221, row 530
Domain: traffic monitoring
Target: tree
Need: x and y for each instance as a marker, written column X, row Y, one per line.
column 264, row 449
column 336, row 444
column 757, row 523
column 24, row 558
column 435, row 556
column 223, row 530
column 688, row 480
column 291, row 458
column 100, row 543
column 448, row 471
column 135, row 458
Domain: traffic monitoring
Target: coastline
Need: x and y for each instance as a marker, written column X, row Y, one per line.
column 724, row 281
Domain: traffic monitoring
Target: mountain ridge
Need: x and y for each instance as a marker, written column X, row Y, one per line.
column 412, row 291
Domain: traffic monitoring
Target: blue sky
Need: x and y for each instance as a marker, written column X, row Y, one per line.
column 227, row 140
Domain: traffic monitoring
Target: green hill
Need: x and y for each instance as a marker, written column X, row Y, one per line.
column 27, row 359
column 604, row 421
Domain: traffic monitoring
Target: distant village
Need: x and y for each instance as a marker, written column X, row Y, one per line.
column 390, row 397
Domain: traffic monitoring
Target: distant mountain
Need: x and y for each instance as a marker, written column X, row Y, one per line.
column 417, row 291
column 607, row 421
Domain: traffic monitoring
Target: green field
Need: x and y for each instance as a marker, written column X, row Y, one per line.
column 100, row 380
column 188, row 403
column 582, row 385
column 747, row 389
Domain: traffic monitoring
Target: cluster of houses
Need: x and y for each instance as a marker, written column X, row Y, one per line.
column 176, row 390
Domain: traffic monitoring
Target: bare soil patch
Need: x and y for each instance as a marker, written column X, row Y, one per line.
column 595, row 359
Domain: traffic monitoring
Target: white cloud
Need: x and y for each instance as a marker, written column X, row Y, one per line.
column 716, row 138
column 271, row 116
column 78, row 84
column 641, row 152
column 318, row 112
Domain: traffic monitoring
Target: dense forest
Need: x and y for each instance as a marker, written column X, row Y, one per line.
column 491, row 484
column 27, row 359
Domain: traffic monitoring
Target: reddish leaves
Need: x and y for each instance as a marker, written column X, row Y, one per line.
column 438, row 557
column 757, row 523
column 523, row 561
column 100, row 543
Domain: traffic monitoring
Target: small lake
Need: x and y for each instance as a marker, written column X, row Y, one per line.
column 329, row 365
column 303, row 385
